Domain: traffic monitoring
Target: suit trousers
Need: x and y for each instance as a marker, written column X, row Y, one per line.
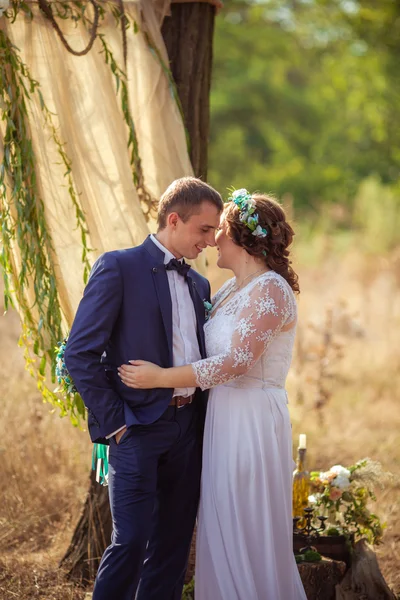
column 154, row 487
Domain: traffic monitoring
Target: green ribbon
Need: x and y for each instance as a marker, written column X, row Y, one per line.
column 100, row 463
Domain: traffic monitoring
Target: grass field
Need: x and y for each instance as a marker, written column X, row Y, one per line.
column 344, row 393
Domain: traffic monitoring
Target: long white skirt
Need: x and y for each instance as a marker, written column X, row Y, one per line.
column 244, row 536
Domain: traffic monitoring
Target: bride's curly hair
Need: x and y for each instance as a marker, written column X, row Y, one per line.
column 273, row 248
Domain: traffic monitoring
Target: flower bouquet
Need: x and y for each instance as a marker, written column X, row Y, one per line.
column 342, row 494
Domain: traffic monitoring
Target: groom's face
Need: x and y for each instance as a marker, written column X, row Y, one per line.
column 190, row 238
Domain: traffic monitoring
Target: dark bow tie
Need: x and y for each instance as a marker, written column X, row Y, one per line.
column 175, row 265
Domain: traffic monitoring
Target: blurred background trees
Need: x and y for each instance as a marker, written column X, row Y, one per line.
column 305, row 99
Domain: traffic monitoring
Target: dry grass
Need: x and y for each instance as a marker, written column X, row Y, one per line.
column 31, row 578
column 352, row 355
column 361, row 416
column 45, row 467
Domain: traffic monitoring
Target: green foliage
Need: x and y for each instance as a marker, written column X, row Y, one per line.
column 23, row 222
column 376, row 214
column 188, row 591
column 305, row 97
column 309, row 556
column 332, row 531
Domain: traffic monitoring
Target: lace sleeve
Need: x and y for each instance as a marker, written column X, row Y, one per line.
column 269, row 306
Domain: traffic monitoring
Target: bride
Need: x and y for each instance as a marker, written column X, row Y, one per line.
column 244, row 537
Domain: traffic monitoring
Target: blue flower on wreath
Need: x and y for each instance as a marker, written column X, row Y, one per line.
column 247, row 209
column 260, row 232
column 241, row 198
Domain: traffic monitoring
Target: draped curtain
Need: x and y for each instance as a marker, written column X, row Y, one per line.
column 81, row 92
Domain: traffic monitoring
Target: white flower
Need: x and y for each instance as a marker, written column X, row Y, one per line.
column 258, row 232
column 236, row 193
column 341, row 482
column 4, row 4
column 342, row 479
column 339, row 470
column 312, row 499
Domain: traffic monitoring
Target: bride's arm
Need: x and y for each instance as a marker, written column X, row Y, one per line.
column 145, row 375
column 269, row 307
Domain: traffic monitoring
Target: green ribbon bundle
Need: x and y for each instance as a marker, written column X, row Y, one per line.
column 100, row 463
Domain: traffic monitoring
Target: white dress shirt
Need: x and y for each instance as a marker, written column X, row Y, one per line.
column 185, row 346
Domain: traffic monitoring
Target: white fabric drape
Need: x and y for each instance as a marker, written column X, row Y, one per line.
column 81, row 92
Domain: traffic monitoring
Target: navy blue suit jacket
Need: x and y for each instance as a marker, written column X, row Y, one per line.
column 126, row 314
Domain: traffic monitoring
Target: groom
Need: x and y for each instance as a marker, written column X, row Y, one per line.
column 146, row 303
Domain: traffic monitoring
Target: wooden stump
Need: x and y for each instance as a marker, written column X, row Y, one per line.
column 334, row 547
column 364, row 580
column 321, row 578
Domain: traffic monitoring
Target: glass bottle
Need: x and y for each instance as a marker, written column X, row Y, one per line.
column 301, row 480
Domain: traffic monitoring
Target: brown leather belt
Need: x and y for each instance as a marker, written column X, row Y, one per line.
column 180, row 401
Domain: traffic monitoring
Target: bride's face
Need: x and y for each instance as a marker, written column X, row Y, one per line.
column 228, row 251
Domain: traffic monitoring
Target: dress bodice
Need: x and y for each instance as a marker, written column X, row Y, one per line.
column 250, row 336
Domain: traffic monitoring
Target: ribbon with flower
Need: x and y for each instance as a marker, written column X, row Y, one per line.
column 208, row 308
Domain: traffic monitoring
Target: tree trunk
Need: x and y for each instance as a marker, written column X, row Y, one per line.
column 91, row 536
column 364, row 580
column 188, row 36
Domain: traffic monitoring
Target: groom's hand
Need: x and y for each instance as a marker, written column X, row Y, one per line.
column 119, row 435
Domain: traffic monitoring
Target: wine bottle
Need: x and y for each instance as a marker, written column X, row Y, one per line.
column 301, row 480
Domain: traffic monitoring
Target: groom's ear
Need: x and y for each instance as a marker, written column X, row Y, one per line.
column 172, row 219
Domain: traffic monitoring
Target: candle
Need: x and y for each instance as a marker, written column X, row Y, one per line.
column 302, row 441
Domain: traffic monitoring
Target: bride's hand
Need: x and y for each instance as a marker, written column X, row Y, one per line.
column 140, row 374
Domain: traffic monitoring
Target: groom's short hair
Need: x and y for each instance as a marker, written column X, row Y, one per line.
column 184, row 196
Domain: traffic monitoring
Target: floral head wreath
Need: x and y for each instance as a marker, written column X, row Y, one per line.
column 247, row 209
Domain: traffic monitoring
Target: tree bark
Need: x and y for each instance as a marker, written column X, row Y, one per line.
column 188, row 34
column 91, row 536
column 364, row 580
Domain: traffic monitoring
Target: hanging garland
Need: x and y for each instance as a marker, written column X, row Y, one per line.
column 46, row 9
column 22, row 215
column 23, row 221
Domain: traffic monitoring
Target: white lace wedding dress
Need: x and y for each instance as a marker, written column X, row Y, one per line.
column 244, row 535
